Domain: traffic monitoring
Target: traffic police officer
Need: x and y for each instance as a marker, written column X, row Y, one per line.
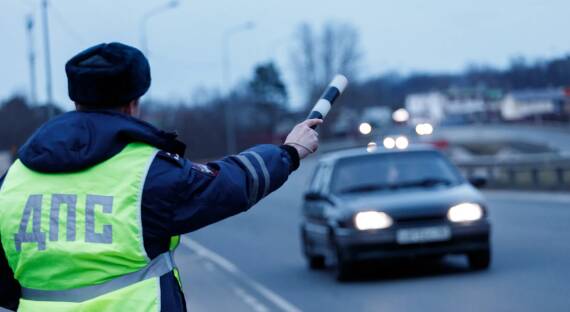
column 93, row 207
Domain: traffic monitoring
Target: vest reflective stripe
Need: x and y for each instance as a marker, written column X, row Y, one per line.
column 255, row 179
column 266, row 176
column 156, row 268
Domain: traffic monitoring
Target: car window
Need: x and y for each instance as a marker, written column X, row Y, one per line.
column 325, row 178
column 392, row 171
column 320, row 179
column 313, row 187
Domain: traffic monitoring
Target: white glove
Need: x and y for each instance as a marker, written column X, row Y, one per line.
column 304, row 139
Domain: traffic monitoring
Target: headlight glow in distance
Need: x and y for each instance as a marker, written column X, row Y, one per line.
column 402, row 142
column 401, row 115
column 465, row 212
column 424, row 129
column 365, row 128
column 389, row 143
column 372, row 220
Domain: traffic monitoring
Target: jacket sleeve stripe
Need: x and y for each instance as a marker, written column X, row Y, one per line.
column 265, row 172
column 254, row 177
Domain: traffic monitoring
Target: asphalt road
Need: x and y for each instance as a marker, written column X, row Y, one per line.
column 252, row 262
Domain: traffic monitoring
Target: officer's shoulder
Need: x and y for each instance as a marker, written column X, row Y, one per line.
column 204, row 169
column 172, row 158
column 180, row 162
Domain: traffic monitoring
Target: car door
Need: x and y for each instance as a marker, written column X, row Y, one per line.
column 316, row 202
column 316, row 197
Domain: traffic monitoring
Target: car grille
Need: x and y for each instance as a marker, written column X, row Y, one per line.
column 416, row 220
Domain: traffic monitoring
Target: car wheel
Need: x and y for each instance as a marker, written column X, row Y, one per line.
column 315, row 262
column 479, row 260
column 343, row 268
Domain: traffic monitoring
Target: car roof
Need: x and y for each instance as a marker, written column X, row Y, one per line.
column 332, row 157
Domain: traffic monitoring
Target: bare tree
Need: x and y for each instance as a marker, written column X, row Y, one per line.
column 318, row 57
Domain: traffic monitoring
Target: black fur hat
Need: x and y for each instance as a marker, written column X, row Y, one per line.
column 107, row 75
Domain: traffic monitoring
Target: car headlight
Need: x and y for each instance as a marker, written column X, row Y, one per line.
column 389, row 142
column 465, row 212
column 372, row 220
column 424, row 129
column 402, row 142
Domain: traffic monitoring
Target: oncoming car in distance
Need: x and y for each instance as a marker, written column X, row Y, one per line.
column 389, row 204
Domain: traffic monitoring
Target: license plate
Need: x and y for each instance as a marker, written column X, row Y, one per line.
column 423, row 235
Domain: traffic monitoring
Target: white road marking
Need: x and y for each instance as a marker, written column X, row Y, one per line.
column 232, row 269
column 250, row 300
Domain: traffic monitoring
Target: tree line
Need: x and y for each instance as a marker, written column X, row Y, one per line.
column 260, row 106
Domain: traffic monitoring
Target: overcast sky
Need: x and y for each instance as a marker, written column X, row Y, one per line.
column 185, row 42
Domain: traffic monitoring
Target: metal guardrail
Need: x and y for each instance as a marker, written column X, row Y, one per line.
column 532, row 172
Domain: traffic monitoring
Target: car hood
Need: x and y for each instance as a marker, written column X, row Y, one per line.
column 406, row 203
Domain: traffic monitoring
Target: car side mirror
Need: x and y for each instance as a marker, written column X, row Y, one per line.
column 313, row 196
column 478, row 182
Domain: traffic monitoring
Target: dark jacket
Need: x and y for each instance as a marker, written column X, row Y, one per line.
column 179, row 196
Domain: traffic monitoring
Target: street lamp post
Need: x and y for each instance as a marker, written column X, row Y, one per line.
column 32, row 59
column 47, row 52
column 226, row 77
column 148, row 15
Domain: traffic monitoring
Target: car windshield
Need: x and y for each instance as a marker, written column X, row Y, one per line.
column 393, row 171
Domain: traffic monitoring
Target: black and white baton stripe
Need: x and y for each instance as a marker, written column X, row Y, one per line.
column 333, row 91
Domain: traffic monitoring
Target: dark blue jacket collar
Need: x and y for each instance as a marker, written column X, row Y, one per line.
column 78, row 140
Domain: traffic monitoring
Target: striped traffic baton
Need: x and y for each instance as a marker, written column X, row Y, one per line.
column 324, row 104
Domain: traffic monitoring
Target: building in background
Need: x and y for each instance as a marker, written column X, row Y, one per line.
column 468, row 105
column 378, row 116
column 551, row 104
column 455, row 105
column 426, row 107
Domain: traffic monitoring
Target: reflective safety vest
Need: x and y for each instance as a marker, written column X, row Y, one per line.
column 75, row 241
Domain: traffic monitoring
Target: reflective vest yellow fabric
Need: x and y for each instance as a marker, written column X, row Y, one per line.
column 74, row 240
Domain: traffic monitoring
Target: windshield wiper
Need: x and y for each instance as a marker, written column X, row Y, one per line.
column 367, row 188
column 427, row 182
